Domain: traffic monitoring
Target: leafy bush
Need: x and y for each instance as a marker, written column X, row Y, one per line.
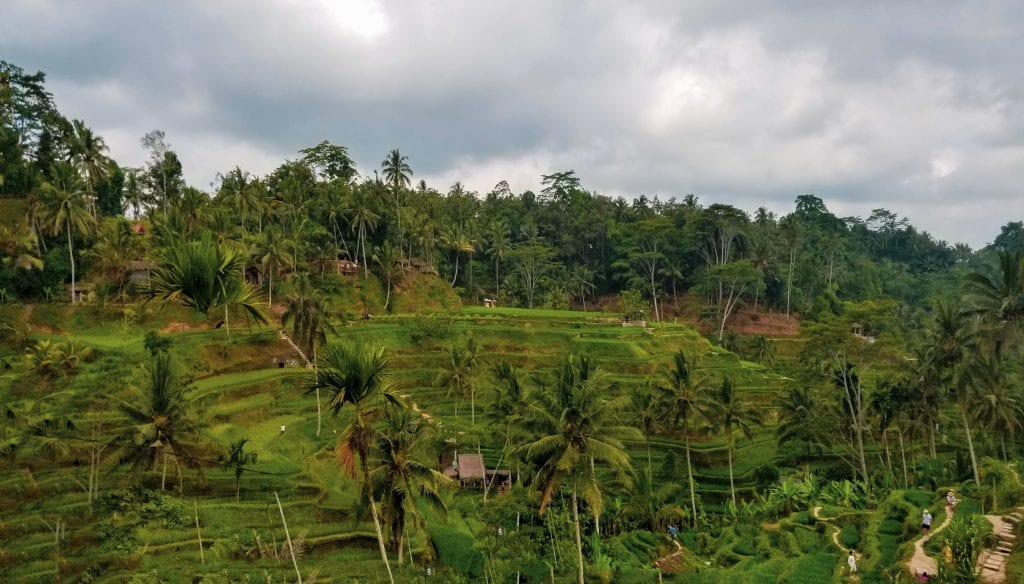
column 121, row 513
column 919, row 498
column 455, row 548
column 429, row 328
column 849, row 536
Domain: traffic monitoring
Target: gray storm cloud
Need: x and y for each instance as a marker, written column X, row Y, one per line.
column 914, row 107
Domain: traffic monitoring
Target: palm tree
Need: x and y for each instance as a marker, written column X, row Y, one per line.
column 889, row 403
column 86, row 148
column 646, row 411
column 458, row 373
column 355, row 375
column 397, row 173
column 205, row 276
column 361, row 220
column 389, row 263
column 729, row 412
column 799, row 422
column 951, row 339
column 577, row 427
column 792, row 233
column 237, row 460
column 998, row 403
column 581, row 283
column 271, row 251
column 498, row 244
column 459, row 241
column 682, row 395
column 65, row 209
column 161, row 425
column 307, row 312
column 996, row 293
column 400, row 479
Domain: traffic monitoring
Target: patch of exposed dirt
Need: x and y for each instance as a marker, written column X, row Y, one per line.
column 181, row 327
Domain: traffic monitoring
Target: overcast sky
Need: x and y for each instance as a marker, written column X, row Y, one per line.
column 916, row 106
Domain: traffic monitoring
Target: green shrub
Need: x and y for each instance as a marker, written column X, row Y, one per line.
column 849, row 536
column 919, row 498
column 455, row 549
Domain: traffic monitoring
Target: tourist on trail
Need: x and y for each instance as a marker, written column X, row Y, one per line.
column 950, row 501
column 672, row 531
column 852, row 561
column 926, row 521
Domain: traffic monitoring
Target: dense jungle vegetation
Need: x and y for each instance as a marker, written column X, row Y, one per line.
column 277, row 379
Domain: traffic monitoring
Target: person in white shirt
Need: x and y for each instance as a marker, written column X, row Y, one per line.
column 851, row 560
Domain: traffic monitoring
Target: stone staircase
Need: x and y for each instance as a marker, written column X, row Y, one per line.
column 302, row 354
column 993, row 566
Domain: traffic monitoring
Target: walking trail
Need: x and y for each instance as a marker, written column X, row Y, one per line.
column 835, row 534
column 921, row 561
column 668, row 563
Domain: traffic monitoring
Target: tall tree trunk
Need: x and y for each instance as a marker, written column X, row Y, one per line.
column 456, row 268
column 654, row 297
column 579, row 541
column 931, row 437
column 376, row 518
column 903, row 457
column 1002, row 440
column 318, row 411
column 163, row 476
column 497, row 280
column 270, row 290
column 888, row 454
column 287, row 536
column 689, row 477
column 227, row 322
column 970, row 445
column 732, row 485
column 789, row 280
column 71, row 256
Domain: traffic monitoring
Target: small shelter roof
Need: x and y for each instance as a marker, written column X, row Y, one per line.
column 471, row 466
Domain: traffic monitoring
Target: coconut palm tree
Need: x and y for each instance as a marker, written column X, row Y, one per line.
column 397, row 173
column 238, row 458
column 360, row 377
column 792, row 236
column 400, row 478
column 458, row 240
column 86, row 149
column 390, row 266
column 889, row 403
column 996, row 293
column 458, row 373
column 576, row 428
column 64, row 209
column 729, row 412
column 206, row 277
column 799, row 421
column 998, row 403
column 271, row 251
column 951, row 340
column 682, row 395
column 581, row 284
column 307, row 312
column 499, row 243
column 361, row 219
column 160, row 425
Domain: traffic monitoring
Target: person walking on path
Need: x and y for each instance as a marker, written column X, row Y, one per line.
column 926, row 522
column 851, row 560
column 950, row 502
